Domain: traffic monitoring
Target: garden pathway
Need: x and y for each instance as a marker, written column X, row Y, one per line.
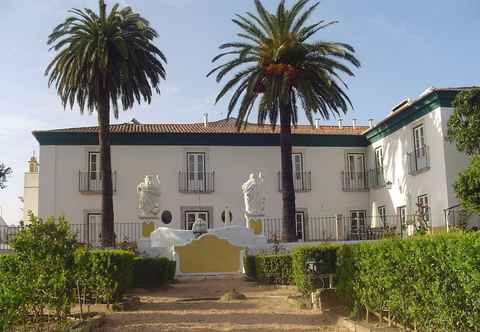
column 172, row 309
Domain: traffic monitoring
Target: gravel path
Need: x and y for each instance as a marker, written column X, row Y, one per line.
column 266, row 309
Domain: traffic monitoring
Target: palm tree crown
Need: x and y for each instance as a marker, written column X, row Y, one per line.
column 113, row 54
column 278, row 64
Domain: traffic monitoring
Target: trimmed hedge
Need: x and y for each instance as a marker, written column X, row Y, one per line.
column 109, row 273
column 273, row 269
column 152, row 272
column 432, row 281
column 249, row 267
column 324, row 255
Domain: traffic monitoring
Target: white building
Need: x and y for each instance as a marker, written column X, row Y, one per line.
column 362, row 173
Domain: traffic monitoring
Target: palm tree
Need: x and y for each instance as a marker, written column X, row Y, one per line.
column 105, row 62
column 277, row 68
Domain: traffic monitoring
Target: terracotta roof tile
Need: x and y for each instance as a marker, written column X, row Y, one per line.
column 217, row 127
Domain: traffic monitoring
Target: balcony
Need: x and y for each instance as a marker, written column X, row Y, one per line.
column 193, row 182
column 91, row 182
column 302, row 182
column 419, row 161
column 354, row 181
column 376, row 178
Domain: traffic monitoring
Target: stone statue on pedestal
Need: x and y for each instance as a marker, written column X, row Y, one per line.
column 253, row 194
column 149, row 197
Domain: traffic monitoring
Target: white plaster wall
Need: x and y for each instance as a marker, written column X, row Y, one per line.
column 406, row 188
column 59, row 192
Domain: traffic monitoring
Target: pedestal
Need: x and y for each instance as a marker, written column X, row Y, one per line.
column 256, row 223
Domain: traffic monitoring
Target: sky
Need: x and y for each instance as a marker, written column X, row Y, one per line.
column 404, row 47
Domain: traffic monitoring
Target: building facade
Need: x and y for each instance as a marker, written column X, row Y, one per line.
column 363, row 173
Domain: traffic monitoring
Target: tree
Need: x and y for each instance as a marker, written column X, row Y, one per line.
column 4, row 172
column 464, row 122
column 277, row 68
column 103, row 63
column 467, row 187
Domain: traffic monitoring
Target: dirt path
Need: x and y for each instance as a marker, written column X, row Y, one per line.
column 266, row 309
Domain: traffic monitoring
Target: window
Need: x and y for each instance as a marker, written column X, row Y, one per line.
column 402, row 216
column 297, row 163
column 423, row 207
column 418, row 138
column 358, row 224
column 192, row 216
column 379, row 158
column 300, row 225
column 382, row 215
column 93, row 175
column 196, row 171
column 356, row 171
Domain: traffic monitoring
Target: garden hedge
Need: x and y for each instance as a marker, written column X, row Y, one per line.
column 432, row 281
column 270, row 269
column 109, row 272
column 152, row 272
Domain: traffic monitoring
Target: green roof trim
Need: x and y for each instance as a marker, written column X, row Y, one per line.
column 415, row 111
column 68, row 138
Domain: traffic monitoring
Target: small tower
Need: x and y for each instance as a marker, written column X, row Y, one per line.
column 31, row 189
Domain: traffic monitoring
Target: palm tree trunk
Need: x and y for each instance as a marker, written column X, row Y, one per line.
column 103, row 110
column 288, row 192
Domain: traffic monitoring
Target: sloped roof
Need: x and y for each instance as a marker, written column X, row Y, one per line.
column 226, row 126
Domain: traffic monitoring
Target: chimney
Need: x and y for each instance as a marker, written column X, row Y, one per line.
column 317, row 123
column 370, row 123
column 340, row 123
column 354, row 123
column 205, row 119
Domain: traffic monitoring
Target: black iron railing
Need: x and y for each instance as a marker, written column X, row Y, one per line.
column 376, row 178
column 91, row 182
column 419, row 160
column 302, row 182
column 354, row 181
column 196, row 182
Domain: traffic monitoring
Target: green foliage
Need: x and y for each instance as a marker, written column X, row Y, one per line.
column 152, row 272
column 467, row 187
column 107, row 274
column 464, row 123
column 274, row 269
column 14, row 291
column 433, row 281
column 172, row 270
column 323, row 255
column 249, row 266
column 4, row 172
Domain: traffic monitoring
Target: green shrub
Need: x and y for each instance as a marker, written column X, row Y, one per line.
column 151, row 272
column 432, row 281
column 13, row 292
column 106, row 274
column 172, row 270
column 324, row 255
column 249, row 266
column 274, row 269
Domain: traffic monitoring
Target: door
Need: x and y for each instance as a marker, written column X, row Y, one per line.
column 94, row 229
column 196, row 171
column 356, row 171
column 422, row 202
column 192, row 216
column 94, row 180
column 300, row 226
column 419, row 146
column 297, row 162
column 378, row 171
column 402, row 217
column 358, row 224
column 382, row 215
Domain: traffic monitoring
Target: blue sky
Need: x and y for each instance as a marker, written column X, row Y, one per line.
column 404, row 46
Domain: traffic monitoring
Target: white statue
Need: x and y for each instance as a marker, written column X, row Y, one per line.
column 199, row 227
column 149, row 197
column 253, row 195
column 227, row 216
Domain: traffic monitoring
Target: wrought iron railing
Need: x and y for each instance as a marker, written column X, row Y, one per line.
column 419, row 160
column 196, row 182
column 91, row 182
column 376, row 178
column 354, row 181
column 302, row 182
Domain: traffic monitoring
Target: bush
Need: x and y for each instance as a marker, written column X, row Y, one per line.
column 172, row 270
column 106, row 274
column 13, row 292
column 467, row 187
column 432, row 281
column 152, row 272
column 274, row 269
column 324, row 255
